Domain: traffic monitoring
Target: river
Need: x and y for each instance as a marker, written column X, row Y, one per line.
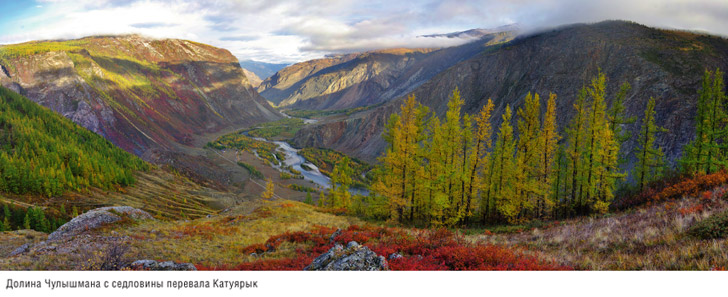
column 294, row 160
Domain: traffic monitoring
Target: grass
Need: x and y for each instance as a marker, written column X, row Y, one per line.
column 284, row 128
column 220, row 240
column 253, row 172
column 133, row 76
column 162, row 194
column 509, row 229
column 286, row 175
column 326, row 159
column 417, row 250
column 287, row 235
column 166, row 196
column 262, row 149
column 301, row 188
column 653, row 237
column 311, row 114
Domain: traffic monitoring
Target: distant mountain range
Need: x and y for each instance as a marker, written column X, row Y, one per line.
column 360, row 79
column 261, row 69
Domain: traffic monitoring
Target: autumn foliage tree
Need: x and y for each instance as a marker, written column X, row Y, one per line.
column 455, row 169
column 43, row 153
column 707, row 152
column 649, row 155
column 547, row 170
column 269, row 192
column 400, row 164
column 339, row 196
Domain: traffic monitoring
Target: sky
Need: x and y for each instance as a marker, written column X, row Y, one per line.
column 287, row 31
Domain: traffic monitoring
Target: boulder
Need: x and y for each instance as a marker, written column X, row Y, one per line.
column 353, row 257
column 96, row 218
column 394, row 256
column 162, row 266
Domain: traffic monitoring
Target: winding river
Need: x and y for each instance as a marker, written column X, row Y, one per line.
column 294, row 160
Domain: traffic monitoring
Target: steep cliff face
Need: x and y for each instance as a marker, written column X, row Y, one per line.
column 253, row 79
column 667, row 65
column 367, row 78
column 283, row 83
column 358, row 135
column 139, row 93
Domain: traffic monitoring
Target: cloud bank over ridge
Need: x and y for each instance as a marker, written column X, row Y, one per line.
column 292, row 31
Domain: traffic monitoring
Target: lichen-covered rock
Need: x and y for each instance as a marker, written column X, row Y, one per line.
column 353, row 257
column 96, row 218
column 156, row 265
column 394, row 256
column 22, row 249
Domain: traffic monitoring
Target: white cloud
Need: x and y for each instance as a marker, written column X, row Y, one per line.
column 290, row 31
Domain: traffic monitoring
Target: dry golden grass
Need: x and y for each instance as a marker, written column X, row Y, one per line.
column 163, row 194
column 169, row 196
column 219, row 240
column 14, row 239
column 648, row 238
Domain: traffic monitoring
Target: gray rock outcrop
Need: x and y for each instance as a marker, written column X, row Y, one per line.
column 96, row 218
column 157, row 265
column 20, row 250
column 353, row 257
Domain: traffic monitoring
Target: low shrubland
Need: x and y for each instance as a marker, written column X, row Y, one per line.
column 413, row 249
column 668, row 233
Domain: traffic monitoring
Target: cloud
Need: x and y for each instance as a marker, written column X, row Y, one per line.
column 239, row 38
column 151, row 25
column 285, row 31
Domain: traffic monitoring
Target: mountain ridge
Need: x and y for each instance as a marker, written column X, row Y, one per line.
column 660, row 63
column 138, row 92
column 360, row 79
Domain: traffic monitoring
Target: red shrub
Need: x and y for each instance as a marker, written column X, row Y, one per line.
column 420, row 250
column 690, row 210
column 692, row 186
column 675, row 189
column 256, row 248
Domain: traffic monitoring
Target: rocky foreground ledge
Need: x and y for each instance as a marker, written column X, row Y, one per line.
column 353, row 257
